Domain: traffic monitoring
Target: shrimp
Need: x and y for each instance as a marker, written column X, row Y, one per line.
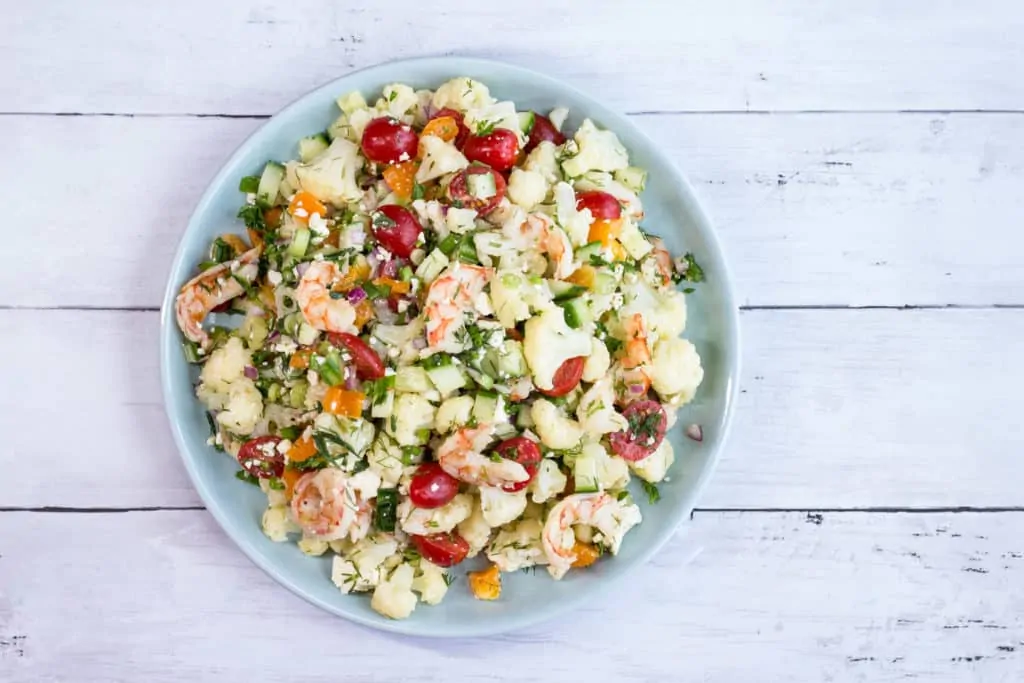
column 321, row 310
column 211, row 288
column 599, row 510
column 457, row 290
column 330, row 505
column 538, row 231
column 663, row 259
column 461, row 455
column 637, row 351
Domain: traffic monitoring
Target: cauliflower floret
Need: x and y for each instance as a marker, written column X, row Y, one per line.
column 501, row 507
column 430, row 583
column 512, row 296
column 598, row 361
column 460, row 220
column 548, row 483
column 676, row 370
column 664, row 311
column 356, row 433
column 393, row 597
column 363, row 566
column 596, row 411
column 276, row 497
column 544, row 160
column 225, row 365
column 439, row 157
column 496, row 115
column 243, row 409
column 575, row 223
column 555, row 429
column 612, row 471
column 314, row 547
column 277, row 524
column 400, row 337
column 462, row 94
column 453, row 413
column 400, row 101
column 655, row 466
column 475, row 530
column 518, row 545
column 600, row 150
column 527, row 188
column 331, row 176
column 558, row 116
column 548, row 342
column 413, row 421
column 426, row 521
column 388, row 461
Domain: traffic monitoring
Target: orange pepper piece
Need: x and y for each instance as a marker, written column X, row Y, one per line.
column 401, row 178
column 586, row 555
column 300, row 359
column 605, row 230
column 583, row 276
column 272, row 217
column 338, row 401
column 304, row 205
column 444, row 127
column 364, row 313
column 291, row 477
column 356, row 273
column 396, row 286
column 485, row 584
column 618, row 251
column 301, row 450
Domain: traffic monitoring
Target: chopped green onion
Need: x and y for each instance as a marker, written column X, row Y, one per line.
column 191, row 350
column 242, row 475
column 250, row 184
column 291, row 433
column 449, row 244
column 405, row 274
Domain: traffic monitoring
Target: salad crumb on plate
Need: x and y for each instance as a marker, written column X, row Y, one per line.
column 455, row 341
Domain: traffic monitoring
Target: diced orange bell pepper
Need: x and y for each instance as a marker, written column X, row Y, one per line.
column 605, row 230
column 583, row 276
column 291, row 477
column 235, row 242
column 364, row 313
column 486, row 584
column 396, row 286
column 586, row 555
column 354, row 275
column 300, row 359
column 304, row 205
column 618, row 251
column 401, row 178
column 444, row 127
column 302, row 449
column 272, row 217
column 338, row 401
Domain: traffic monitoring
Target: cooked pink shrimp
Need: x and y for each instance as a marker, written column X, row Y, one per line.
column 461, row 455
column 457, row 290
column 663, row 259
column 599, row 510
column 539, row 231
column 637, row 350
column 330, row 505
column 211, row 288
column 313, row 295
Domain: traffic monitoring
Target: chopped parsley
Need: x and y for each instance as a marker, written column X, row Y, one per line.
column 485, row 127
column 448, row 579
column 653, row 495
column 380, row 220
column 377, row 389
column 392, row 95
column 252, row 216
column 691, row 273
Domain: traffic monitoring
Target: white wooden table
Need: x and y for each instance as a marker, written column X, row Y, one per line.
column 865, row 166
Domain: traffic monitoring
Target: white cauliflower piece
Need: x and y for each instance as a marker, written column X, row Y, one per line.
column 596, row 410
column 501, row 507
column 388, row 461
column 598, row 362
column 439, row 158
column 400, row 338
column 351, row 101
column 544, row 161
column 225, row 365
column 548, row 483
column 414, row 419
column 393, row 597
column 314, row 547
column 676, row 370
column 663, row 311
column 558, row 116
column 426, row 521
column 655, row 466
column 548, row 342
column 331, row 176
column 399, row 101
column 430, row 583
column 509, row 297
column 364, row 564
column 527, row 188
column 612, row 471
column 475, row 530
column 599, row 150
column 518, row 546
column 453, row 413
column 430, row 214
column 243, row 409
column 460, row 221
column 496, row 115
column 277, row 524
column 555, row 429
column 576, row 223
column 462, row 94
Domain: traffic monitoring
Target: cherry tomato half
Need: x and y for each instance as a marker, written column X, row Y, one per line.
column 602, row 205
column 260, row 457
column 387, row 140
column 460, row 139
column 368, row 363
column 396, row 228
column 647, row 423
column 497, row 149
column 444, row 550
column 524, row 452
column 432, row 487
column 458, row 192
column 543, row 130
column 567, row 376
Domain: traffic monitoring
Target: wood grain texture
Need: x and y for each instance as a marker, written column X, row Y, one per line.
column 806, row 597
column 659, row 55
column 839, row 408
column 859, row 209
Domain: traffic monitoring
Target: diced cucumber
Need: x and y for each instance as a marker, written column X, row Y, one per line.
column 382, row 410
column 307, row 334
column 339, row 128
column 270, row 183
column 504, row 430
column 604, row 283
column 589, row 249
column 526, row 121
column 563, row 291
column 412, row 379
column 480, row 378
column 489, row 408
column 312, row 146
column 447, row 378
column 352, row 101
column 633, row 177
column 557, row 116
column 577, row 313
column 297, row 396
column 481, row 185
column 300, row 242
column 432, row 266
column 585, row 473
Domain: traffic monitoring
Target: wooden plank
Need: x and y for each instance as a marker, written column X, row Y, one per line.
column 839, row 408
column 684, row 55
column 779, row 597
column 860, row 209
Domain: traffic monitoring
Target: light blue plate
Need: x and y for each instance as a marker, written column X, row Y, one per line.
column 672, row 212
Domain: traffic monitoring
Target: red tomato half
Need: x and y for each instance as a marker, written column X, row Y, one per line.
column 460, row 138
column 396, row 228
column 524, row 452
column 387, row 140
column 567, row 376
column 647, row 423
column 432, row 487
column 543, row 130
column 602, row 205
column 368, row 363
column 458, row 192
column 260, row 457
column 497, row 149
column 444, row 550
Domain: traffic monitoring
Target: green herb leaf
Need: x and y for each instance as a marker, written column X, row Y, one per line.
column 692, row 271
column 252, row 216
column 249, row 184
column 386, row 510
column 242, row 475
column 417, row 191
column 653, row 495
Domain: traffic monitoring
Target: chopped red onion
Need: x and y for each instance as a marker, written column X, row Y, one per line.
column 251, row 372
column 351, row 381
column 695, row 432
column 637, row 388
column 301, row 269
column 373, row 260
column 419, row 343
column 273, row 336
column 356, row 295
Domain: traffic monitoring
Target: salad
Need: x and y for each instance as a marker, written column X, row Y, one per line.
column 455, row 341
